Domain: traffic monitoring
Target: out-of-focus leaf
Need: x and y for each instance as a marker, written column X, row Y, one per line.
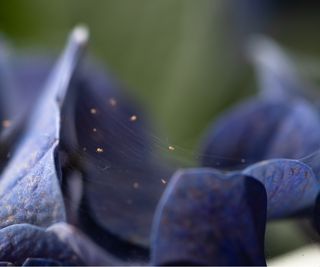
column 30, row 190
column 209, row 219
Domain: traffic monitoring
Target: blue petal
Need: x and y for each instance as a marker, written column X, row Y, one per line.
column 277, row 75
column 205, row 218
column 29, row 187
column 291, row 185
column 40, row 262
column 21, row 241
column 89, row 253
column 122, row 174
column 298, row 134
column 243, row 133
column 274, row 124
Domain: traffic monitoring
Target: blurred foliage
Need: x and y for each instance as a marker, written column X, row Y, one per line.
column 170, row 53
column 174, row 56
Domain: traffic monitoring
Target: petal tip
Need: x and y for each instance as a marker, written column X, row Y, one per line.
column 80, row 34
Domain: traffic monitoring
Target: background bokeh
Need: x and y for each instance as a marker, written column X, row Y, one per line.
column 181, row 59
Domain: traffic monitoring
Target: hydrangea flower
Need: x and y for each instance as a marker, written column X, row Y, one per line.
column 82, row 184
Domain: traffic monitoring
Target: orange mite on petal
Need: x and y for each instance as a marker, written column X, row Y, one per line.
column 93, row 111
column 133, row 118
column 6, row 123
column 99, row 150
column 112, row 102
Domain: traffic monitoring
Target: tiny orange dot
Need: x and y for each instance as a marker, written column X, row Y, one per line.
column 112, row 102
column 99, row 150
column 6, row 123
column 93, row 111
column 133, row 118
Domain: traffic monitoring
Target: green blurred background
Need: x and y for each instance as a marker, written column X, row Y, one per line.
column 169, row 53
column 181, row 59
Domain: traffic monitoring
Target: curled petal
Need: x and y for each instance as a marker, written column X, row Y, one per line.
column 291, row 185
column 29, row 187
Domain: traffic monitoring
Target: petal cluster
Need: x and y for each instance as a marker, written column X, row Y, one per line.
column 81, row 182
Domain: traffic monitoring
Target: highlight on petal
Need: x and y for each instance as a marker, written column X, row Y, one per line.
column 205, row 218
